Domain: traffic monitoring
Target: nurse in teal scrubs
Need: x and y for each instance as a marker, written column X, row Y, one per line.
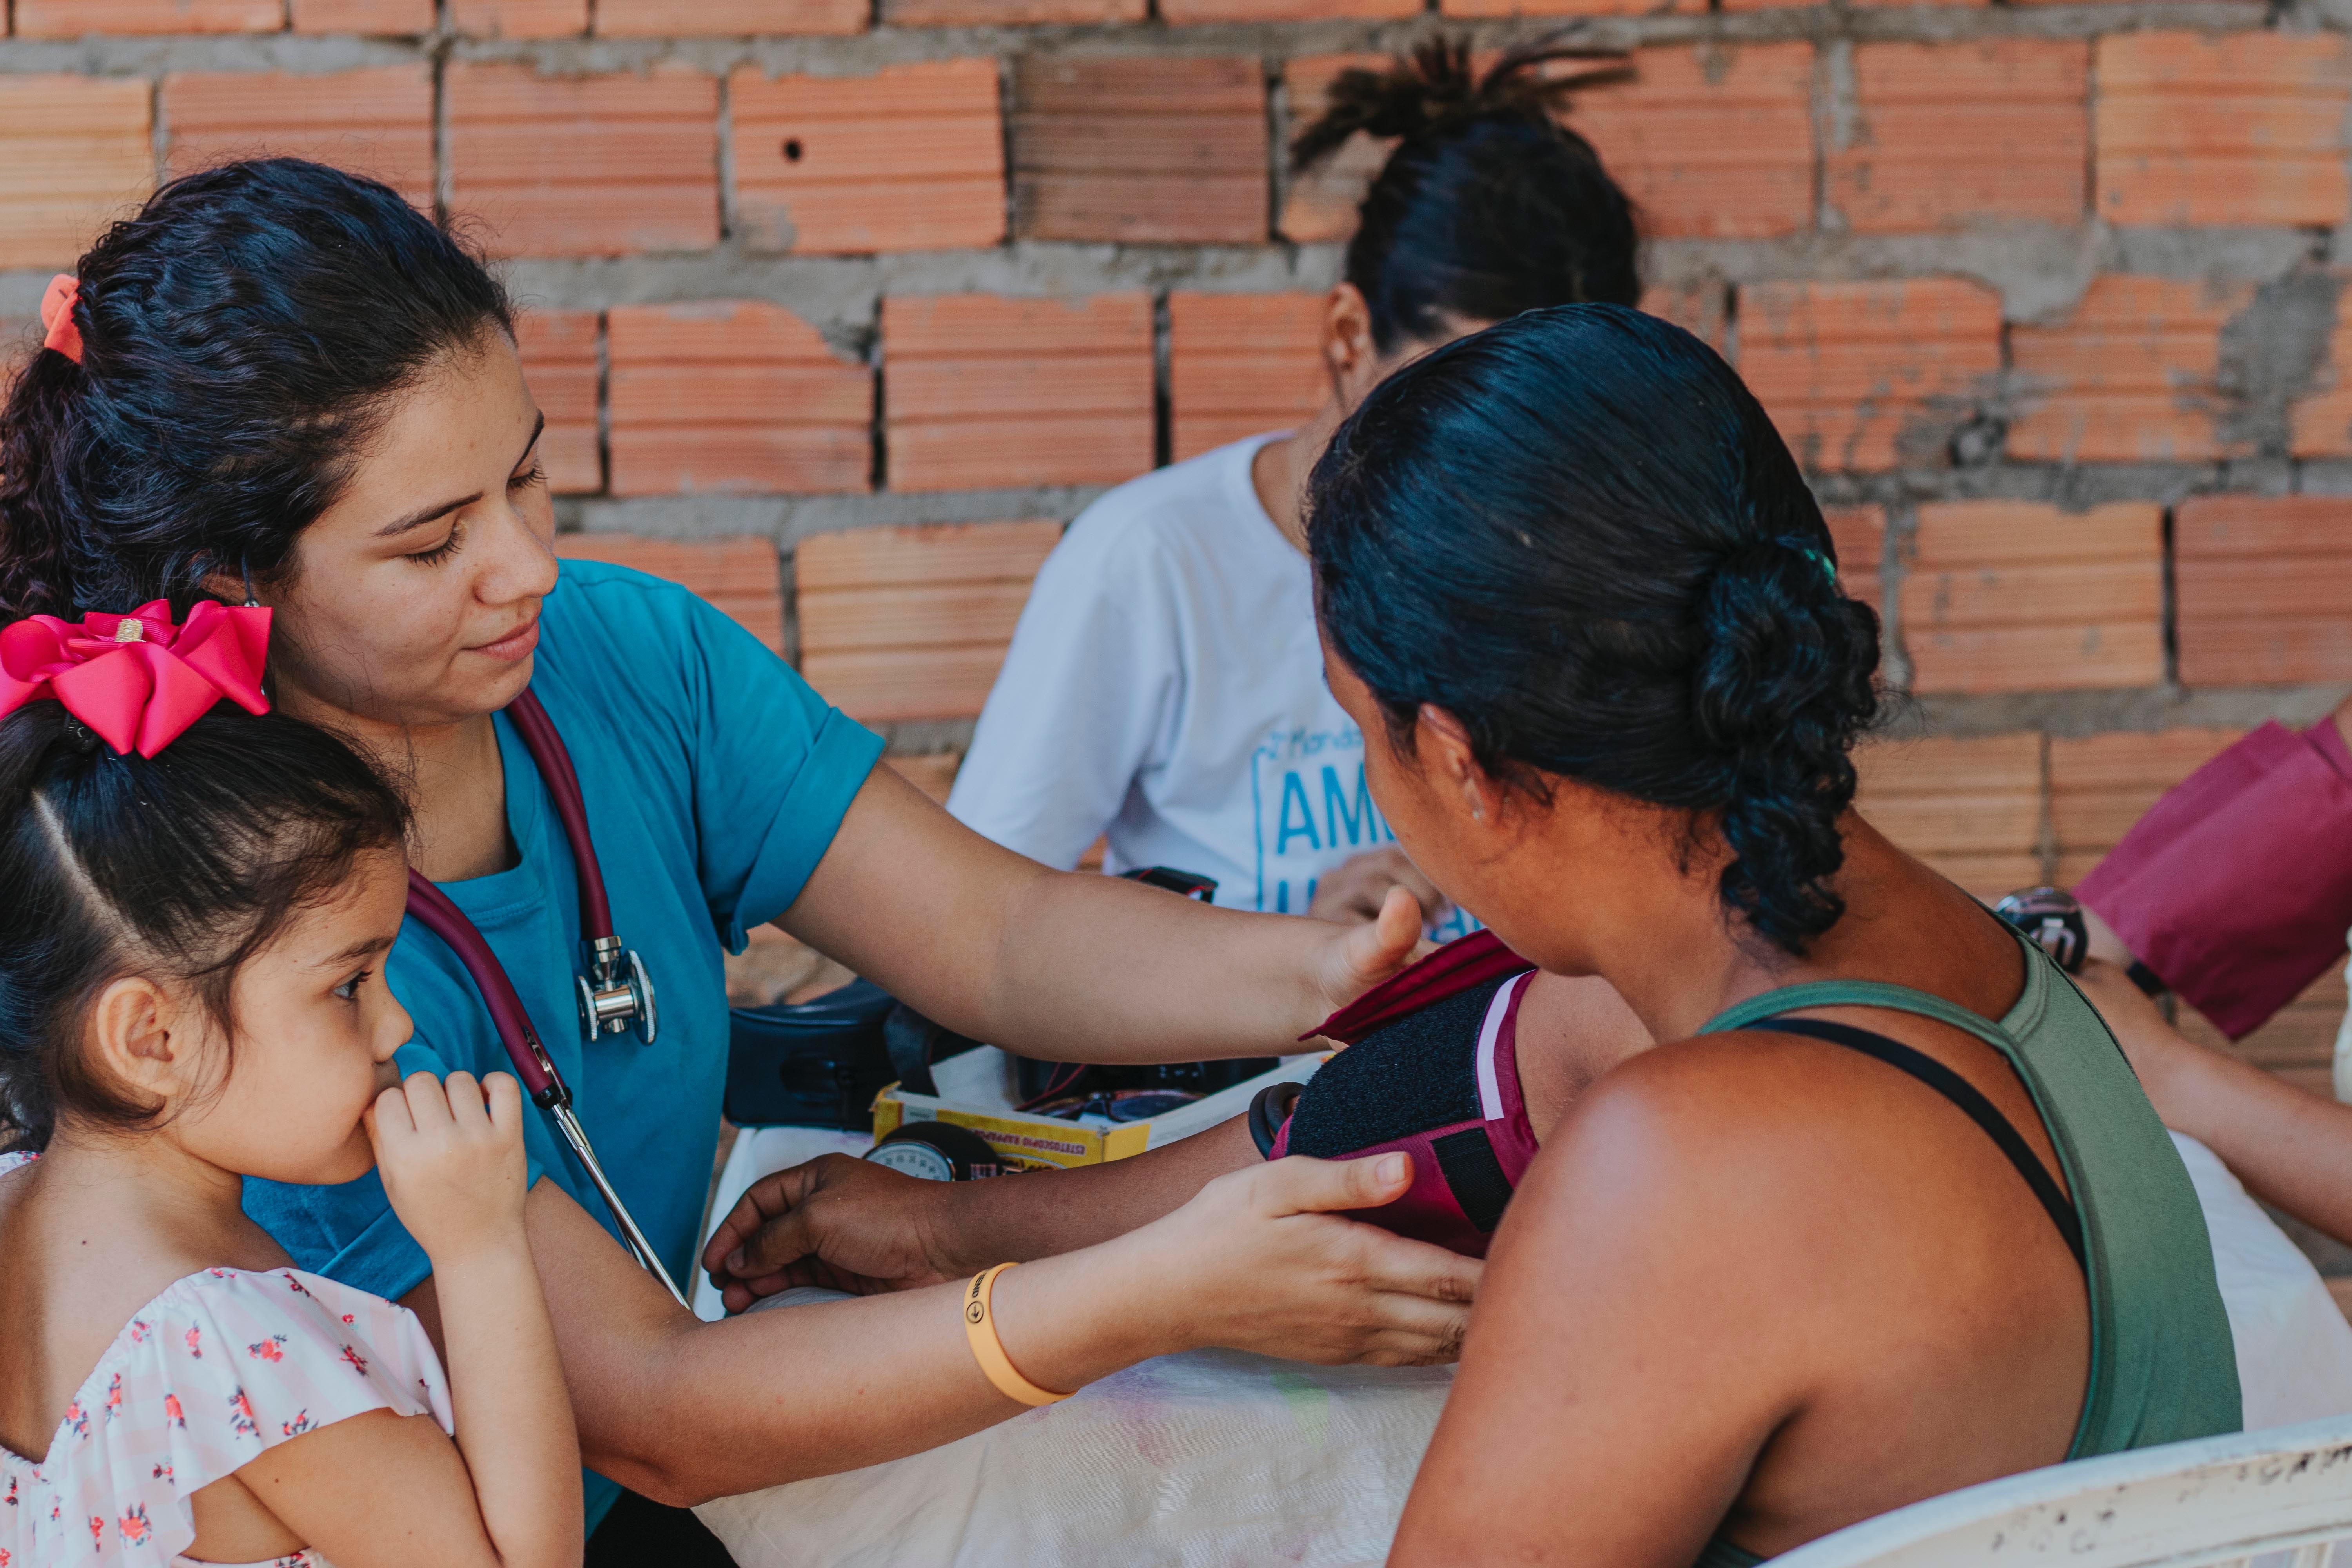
column 292, row 385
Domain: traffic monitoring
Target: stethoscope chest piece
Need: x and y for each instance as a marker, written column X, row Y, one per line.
column 615, row 992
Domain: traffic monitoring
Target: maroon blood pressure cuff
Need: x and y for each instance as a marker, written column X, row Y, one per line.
column 2236, row 888
column 1431, row 1068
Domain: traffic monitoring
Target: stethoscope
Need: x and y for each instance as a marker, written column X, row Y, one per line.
column 615, row 992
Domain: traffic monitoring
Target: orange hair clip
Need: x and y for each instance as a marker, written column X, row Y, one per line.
column 61, row 331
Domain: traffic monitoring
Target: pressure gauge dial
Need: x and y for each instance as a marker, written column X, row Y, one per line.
column 936, row 1151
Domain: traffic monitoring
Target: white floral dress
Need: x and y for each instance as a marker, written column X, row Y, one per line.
column 224, row 1364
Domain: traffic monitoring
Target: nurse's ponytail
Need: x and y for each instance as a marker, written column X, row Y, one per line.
column 239, row 338
column 1487, row 205
column 179, row 868
column 35, row 562
column 1580, row 535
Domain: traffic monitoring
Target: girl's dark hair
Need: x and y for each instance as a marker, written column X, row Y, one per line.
column 1580, row 535
column 1488, row 206
column 181, row 868
column 241, row 335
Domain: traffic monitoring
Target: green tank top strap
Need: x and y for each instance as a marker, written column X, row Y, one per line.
column 1860, row 994
column 2163, row 1366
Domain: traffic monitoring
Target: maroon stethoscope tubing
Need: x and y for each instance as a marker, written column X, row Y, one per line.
column 433, row 909
column 554, row 759
column 615, row 989
column 430, row 908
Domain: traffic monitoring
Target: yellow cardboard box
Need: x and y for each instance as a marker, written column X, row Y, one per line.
column 1026, row 1140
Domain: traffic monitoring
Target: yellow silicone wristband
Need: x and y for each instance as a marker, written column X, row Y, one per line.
column 980, row 1328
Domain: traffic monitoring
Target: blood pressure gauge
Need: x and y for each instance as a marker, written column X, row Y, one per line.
column 936, row 1151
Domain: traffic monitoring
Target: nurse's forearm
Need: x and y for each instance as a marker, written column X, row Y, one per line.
column 1094, row 969
column 1070, row 966
column 776, row 1397
column 684, row 1410
column 1260, row 1260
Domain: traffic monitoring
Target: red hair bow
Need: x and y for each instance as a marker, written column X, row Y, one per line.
column 137, row 679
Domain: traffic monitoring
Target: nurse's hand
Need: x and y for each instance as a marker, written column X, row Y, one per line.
column 1262, row 1260
column 1359, row 957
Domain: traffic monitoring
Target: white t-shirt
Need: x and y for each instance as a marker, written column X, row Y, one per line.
column 1165, row 689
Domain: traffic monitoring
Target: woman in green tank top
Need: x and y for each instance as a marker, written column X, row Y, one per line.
column 1888, row 1215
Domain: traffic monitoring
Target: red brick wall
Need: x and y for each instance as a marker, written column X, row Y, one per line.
column 2045, row 298
column 1971, row 807
column 985, row 392
column 912, row 622
column 2020, row 596
column 909, row 158
column 732, row 395
column 1943, row 137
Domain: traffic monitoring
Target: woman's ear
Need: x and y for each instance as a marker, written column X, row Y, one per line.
column 1350, row 358
column 142, row 1039
column 1452, row 762
column 231, row 588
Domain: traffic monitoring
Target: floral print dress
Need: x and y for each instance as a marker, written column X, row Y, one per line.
column 224, row 1364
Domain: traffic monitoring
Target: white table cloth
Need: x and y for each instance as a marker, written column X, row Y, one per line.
column 1217, row 1459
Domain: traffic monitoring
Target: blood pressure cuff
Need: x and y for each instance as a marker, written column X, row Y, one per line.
column 2236, row 886
column 1430, row 1068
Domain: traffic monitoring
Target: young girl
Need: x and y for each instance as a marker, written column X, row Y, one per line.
column 191, row 992
column 1164, row 686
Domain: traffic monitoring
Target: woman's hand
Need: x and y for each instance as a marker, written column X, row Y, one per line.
column 451, row 1158
column 837, row 1221
column 1354, row 890
column 1354, row 960
column 1262, row 1260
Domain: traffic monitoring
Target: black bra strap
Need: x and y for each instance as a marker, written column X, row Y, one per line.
column 1960, row 1092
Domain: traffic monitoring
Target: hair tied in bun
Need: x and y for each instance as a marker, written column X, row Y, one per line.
column 1436, row 88
column 1487, row 204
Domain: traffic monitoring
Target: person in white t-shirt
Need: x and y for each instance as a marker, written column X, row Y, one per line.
column 1165, row 686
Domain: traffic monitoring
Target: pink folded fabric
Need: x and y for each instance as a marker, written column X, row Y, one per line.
column 137, row 679
column 2236, row 888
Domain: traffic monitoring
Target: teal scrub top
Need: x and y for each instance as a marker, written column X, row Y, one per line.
column 714, row 778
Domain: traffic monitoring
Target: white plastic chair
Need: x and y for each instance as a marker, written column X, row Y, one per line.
column 2283, row 1496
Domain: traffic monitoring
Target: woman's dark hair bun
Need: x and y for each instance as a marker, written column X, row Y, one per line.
column 1488, row 206
column 1434, row 88
column 1579, row 534
column 1785, row 682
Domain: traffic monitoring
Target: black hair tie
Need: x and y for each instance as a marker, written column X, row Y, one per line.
column 81, row 737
